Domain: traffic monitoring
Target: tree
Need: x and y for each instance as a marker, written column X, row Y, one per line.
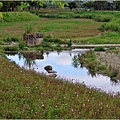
column 43, row 3
column 117, row 5
column 5, row 6
column 100, row 5
column 72, row 5
column 88, row 4
column 1, row 4
column 23, row 5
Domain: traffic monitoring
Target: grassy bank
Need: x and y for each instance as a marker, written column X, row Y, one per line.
column 103, row 61
column 26, row 94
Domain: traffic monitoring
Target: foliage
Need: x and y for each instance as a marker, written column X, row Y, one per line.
column 103, row 18
column 11, row 48
column 12, row 39
column 1, row 16
column 69, row 43
column 49, row 38
column 72, row 5
column 26, row 94
column 100, row 48
column 22, row 45
column 28, row 29
column 1, row 4
column 23, row 5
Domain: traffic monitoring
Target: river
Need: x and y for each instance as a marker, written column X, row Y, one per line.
column 67, row 66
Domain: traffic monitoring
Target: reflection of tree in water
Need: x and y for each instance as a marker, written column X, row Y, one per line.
column 114, row 82
column 91, row 72
column 20, row 56
column 75, row 61
column 29, row 63
column 47, row 53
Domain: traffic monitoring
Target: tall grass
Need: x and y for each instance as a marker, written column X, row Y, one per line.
column 18, row 16
column 30, row 95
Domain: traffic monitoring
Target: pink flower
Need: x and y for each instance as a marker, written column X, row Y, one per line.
column 83, row 105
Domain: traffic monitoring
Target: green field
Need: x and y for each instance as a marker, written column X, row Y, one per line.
column 83, row 27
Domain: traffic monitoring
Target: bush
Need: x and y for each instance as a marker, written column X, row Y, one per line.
column 66, row 15
column 28, row 28
column 11, row 48
column 112, row 48
column 103, row 18
column 1, row 16
column 100, row 48
column 49, row 38
column 69, row 43
column 9, row 40
column 22, row 45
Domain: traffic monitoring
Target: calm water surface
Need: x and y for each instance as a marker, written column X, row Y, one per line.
column 67, row 66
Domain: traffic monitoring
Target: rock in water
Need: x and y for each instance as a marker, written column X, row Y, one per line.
column 48, row 67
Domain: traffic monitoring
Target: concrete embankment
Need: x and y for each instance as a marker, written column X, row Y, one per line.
column 93, row 46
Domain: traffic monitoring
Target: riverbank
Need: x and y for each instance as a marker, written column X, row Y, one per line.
column 103, row 61
column 26, row 94
column 94, row 45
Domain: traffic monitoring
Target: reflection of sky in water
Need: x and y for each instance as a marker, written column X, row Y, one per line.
column 62, row 63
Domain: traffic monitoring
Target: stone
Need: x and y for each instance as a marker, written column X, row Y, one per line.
column 48, row 67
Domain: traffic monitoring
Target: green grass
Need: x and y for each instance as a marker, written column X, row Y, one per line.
column 29, row 95
column 82, row 26
column 108, row 38
column 62, row 28
column 18, row 16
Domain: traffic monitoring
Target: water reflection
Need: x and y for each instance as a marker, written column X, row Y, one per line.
column 67, row 65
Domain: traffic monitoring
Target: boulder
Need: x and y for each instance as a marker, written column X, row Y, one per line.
column 48, row 67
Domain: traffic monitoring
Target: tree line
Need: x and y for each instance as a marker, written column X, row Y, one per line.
column 103, row 5
column 22, row 5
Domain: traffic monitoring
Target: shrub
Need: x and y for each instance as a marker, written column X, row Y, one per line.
column 102, row 67
column 28, row 28
column 1, row 16
column 100, row 48
column 66, row 15
column 45, row 44
column 22, row 45
column 11, row 48
column 112, row 48
column 9, row 40
column 69, row 43
column 49, row 38
column 102, row 18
